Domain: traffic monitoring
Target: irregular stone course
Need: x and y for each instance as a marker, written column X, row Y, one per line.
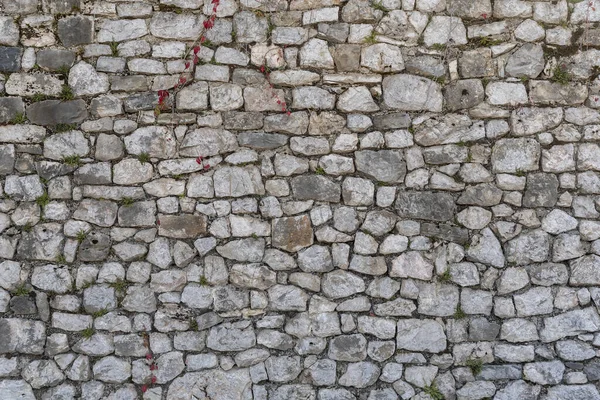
column 324, row 200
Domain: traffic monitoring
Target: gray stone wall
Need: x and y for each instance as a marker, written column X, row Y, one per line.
column 299, row 200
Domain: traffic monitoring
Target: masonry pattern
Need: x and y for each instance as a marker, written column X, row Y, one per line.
column 342, row 200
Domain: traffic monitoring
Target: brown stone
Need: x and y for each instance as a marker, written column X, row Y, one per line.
column 293, row 233
column 182, row 226
column 347, row 57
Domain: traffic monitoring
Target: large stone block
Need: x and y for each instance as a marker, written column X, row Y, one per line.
column 432, row 206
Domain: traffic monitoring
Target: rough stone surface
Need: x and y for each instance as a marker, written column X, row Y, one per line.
column 299, row 199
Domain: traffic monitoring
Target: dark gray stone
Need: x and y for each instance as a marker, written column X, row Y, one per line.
column 397, row 120
column 315, row 187
column 52, row 169
column 383, row 165
column 541, row 190
column 53, row 112
column 500, row 372
column 242, row 120
column 9, row 108
column 7, row 159
column 140, row 102
column 464, row 94
column 95, row 247
column 347, row 57
column 141, row 213
column 484, row 194
column 335, row 33
column 426, row 66
column 10, row 59
column 592, row 370
column 74, row 31
column 64, row 6
column 93, row 174
column 23, row 305
column 132, row 83
column 445, row 232
column 430, row 206
column 262, row 140
column 480, row 329
column 55, row 59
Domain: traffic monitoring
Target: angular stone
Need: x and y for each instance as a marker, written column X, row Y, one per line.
column 445, row 30
column 23, row 188
column 121, row 30
column 182, row 226
column 293, row 233
column 68, row 144
column 53, row 112
column 515, row 155
column 315, row 54
column 533, row 246
column 10, row 59
column 112, row 370
column 55, row 59
column 25, row 134
column 357, row 99
column 22, row 84
column 412, row 93
column 451, row 128
column 382, row 57
column 544, row 373
column 52, row 278
column 98, row 212
column 573, row 392
column 420, row 335
column 412, row 265
column 570, row 323
column 156, row 141
column 170, row 25
column 237, row 181
column 85, row 81
column 9, row 31
column 437, row 299
column 261, row 140
column 585, row 271
column 42, row 373
column 360, row 375
column 526, row 121
column 483, row 194
column 527, row 61
column 339, row 284
column 552, row 93
column 43, row 242
column 425, row 205
column 315, row 187
column 231, row 337
column 383, row 165
column 16, row 389
column 22, row 336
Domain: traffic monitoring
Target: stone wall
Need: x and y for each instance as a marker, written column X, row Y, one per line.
column 299, row 200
